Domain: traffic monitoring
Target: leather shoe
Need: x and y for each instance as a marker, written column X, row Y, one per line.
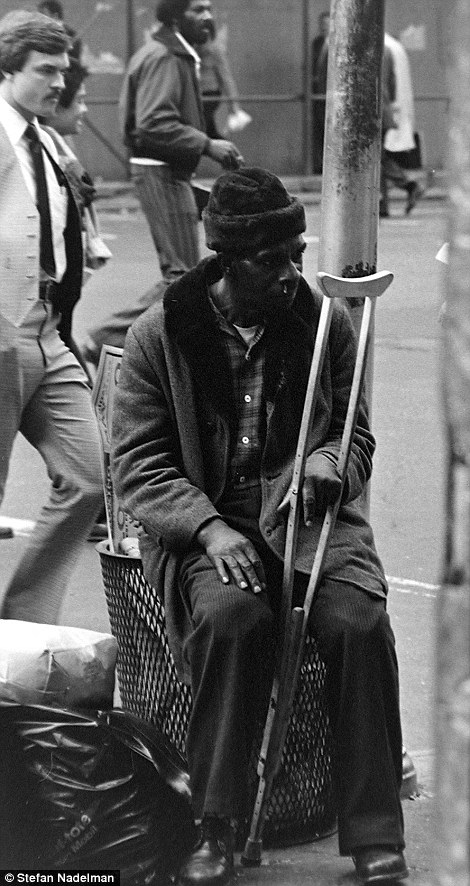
column 414, row 193
column 380, row 864
column 211, row 861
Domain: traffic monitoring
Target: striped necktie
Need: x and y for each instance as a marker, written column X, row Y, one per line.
column 47, row 260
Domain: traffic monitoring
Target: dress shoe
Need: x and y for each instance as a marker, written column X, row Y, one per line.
column 380, row 864
column 211, row 861
column 415, row 191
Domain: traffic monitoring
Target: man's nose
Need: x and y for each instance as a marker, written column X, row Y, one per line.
column 58, row 81
column 290, row 271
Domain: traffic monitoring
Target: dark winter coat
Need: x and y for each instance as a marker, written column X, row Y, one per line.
column 172, row 425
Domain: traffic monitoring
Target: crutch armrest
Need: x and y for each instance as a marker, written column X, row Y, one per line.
column 354, row 287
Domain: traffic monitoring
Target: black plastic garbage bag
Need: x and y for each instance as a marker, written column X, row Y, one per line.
column 97, row 791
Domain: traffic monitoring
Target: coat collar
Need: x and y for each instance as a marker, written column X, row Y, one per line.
column 169, row 39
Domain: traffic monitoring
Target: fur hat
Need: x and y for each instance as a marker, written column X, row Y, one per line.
column 249, row 210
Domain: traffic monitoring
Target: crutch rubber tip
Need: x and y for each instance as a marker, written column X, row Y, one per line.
column 251, row 855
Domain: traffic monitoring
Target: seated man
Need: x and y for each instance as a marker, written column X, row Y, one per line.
column 208, row 410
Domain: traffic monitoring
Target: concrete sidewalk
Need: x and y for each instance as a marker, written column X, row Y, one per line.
column 319, row 864
column 120, row 196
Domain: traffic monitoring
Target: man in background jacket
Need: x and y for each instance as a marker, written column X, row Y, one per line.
column 163, row 126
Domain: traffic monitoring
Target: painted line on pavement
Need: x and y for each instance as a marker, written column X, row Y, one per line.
column 17, row 526
column 411, row 586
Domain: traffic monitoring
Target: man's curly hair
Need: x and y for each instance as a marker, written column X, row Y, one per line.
column 168, row 11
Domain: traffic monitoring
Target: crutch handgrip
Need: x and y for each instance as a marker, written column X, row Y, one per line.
column 371, row 286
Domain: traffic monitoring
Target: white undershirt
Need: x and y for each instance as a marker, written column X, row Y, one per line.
column 15, row 125
column 247, row 333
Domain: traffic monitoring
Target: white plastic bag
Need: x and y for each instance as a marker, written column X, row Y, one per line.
column 55, row 665
column 237, row 121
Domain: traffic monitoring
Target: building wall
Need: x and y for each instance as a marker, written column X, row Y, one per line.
column 265, row 40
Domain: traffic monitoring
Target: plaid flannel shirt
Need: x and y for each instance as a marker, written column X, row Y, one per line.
column 247, row 367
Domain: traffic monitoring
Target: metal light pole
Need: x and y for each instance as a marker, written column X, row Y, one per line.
column 351, row 168
column 452, row 837
column 351, row 158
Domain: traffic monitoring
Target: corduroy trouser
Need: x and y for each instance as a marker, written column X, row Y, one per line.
column 45, row 397
column 230, row 652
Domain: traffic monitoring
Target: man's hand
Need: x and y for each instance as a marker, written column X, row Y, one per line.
column 232, row 555
column 321, row 487
column 225, row 153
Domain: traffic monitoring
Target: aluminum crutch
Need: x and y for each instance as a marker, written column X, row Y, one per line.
column 294, row 622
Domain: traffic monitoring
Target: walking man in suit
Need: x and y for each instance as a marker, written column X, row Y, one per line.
column 44, row 390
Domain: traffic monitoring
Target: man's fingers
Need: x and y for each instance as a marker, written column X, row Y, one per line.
column 221, row 570
column 309, row 503
column 285, row 502
column 244, row 573
column 255, row 584
column 255, row 571
column 260, row 574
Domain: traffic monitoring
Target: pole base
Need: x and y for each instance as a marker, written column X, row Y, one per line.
column 251, row 855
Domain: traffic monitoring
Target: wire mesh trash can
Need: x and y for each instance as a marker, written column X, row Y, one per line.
column 302, row 806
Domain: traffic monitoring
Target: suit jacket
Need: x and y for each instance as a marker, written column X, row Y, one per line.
column 19, row 247
column 160, row 105
column 174, row 418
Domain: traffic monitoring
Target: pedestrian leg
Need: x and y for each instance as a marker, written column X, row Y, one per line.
column 113, row 329
column 59, row 422
column 170, row 208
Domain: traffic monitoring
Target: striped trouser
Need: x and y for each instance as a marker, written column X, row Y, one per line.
column 171, row 212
